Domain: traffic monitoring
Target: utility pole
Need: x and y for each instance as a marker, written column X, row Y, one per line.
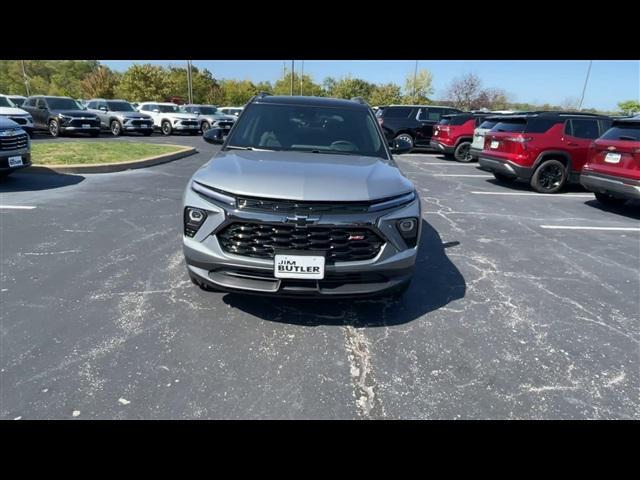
column 585, row 85
column 415, row 76
column 284, row 70
column 25, row 78
column 301, row 75
column 189, row 82
column 292, row 71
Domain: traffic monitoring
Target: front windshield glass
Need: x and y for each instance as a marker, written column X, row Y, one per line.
column 204, row 110
column 17, row 101
column 63, row 104
column 169, row 108
column 5, row 102
column 350, row 131
column 120, row 107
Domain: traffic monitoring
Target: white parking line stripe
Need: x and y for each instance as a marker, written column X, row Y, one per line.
column 612, row 229
column 459, row 175
column 541, row 195
column 16, row 207
column 453, row 164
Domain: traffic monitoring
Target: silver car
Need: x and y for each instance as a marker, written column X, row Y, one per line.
column 303, row 199
column 209, row 116
column 119, row 116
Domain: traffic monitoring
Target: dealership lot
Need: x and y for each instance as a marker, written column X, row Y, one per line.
column 523, row 306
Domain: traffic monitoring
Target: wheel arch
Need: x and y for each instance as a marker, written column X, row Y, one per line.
column 559, row 155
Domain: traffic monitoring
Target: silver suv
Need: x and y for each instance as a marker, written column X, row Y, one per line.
column 169, row 118
column 303, row 199
column 209, row 116
column 15, row 147
column 119, row 116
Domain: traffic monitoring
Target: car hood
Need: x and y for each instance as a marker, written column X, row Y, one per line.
column 75, row 113
column 6, row 123
column 136, row 115
column 303, row 176
column 188, row 116
column 219, row 118
column 12, row 111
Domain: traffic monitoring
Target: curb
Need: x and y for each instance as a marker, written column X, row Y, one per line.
column 112, row 167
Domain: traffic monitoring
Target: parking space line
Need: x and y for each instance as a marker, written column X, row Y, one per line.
column 16, row 207
column 540, row 195
column 460, row 175
column 572, row 227
column 453, row 164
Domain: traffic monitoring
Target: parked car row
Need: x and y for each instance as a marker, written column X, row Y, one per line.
column 62, row 115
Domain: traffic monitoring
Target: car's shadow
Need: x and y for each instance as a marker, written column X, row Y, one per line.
column 28, row 182
column 436, row 283
column 523, row 186
column 630, row 209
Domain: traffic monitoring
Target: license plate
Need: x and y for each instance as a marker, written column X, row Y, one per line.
column 86, row 125
column 494, row 144
column 612, row 157
column 299, row 266
column 15, row 161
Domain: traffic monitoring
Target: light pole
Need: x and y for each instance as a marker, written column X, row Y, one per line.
column 25, row 78
column 585, row 85
column 301, row 75
column 189, row 82
column 415, row 87
column 292, row 70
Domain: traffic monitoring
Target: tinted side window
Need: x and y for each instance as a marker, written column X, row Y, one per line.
column 30, row 102
column 91, row 105
column 41, row 103
column 626, row 132
column 585, row 128
column 434, row 113
column 540, row 125
column 399, row 112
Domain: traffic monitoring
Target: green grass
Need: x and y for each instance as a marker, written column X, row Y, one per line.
column 73, row 153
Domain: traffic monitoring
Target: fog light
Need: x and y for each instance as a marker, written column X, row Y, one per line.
column 408, row 228
column 193, row 220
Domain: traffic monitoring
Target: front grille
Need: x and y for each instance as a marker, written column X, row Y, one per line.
column 301, row 208
column 189, row 123
column 19, row 120
column 141, row 123
column 225, row 124
column 14, row 142
column 262, row 240
column 78, row 122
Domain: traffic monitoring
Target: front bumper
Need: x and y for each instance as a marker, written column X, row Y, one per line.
column 179, row 126
column 391, row 268
column 79, row 129
column 4, row 160
column 441, row 147
column 505, row 167
column 615, row 186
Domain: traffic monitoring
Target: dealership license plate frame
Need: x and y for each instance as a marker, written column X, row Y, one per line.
column 306, row 258
column 16, row 161
column 495, row 144
column 86, row 125
column 613, row 157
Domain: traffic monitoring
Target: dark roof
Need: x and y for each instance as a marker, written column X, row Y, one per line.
column 552, row 113
column 631, row 120
column 309, row 101
column 420, row 106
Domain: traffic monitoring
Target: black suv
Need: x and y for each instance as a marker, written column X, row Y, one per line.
column 413, row 123
column 59, row 115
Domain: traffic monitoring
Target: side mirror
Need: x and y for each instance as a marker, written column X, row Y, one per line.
column 213, row 135
column 103, row 108
column 400, row 146
column 156, row 110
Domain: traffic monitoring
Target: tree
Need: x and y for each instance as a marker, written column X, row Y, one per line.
column 237, row 92
column 570, row 103
column 464, row 91
column 386, row 94
column 309, row 87
column 629, row 107
column 491, row 99
column 101, row 83
column 349, row 87
column 418, row 92
column 145, row 82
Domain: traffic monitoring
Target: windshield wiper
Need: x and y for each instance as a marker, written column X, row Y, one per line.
column 233, row 147
column 329, row 152
column 627, row 137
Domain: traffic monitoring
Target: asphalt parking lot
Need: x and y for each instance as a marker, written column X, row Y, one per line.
column 524, row 306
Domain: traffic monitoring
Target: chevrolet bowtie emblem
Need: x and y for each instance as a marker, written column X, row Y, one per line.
column 302, row 221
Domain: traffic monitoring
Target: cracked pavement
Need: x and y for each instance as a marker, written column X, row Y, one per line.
column 504, row 319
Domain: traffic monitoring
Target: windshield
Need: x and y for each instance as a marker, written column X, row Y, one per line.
column 206, row 110
column 5, row 102
column 120, row 107
column 629, row 133
column 308, row 128
column 17, row 100
column 488, row 124
column 63, row 104
column 169, row 108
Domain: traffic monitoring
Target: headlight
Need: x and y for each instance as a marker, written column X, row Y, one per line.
column 394, row 202
column 212, row 194
column 193, row 220
column 408, row 228
column 64, row 117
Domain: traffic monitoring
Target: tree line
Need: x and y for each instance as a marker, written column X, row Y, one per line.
column 141, row 82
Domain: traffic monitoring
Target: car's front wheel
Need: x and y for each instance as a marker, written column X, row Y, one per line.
column 205, row 126
column 462, row 153
column 549, row 177
column 54, row 128
column 116, row 128
column 610, row 200
column 166, row 128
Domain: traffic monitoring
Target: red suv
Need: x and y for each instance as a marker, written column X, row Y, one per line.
column 547, row 149
column 454, row 133
column 613, row 169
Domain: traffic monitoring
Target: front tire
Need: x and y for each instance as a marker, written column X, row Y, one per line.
column 462, row 153
column 116, row 128
column 205, row 126
column 54, row 128
column 406, row 137
column 610, row 200
column 549, row 177
column 166, row 128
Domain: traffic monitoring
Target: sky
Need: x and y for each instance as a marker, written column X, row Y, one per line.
column 530, row 81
